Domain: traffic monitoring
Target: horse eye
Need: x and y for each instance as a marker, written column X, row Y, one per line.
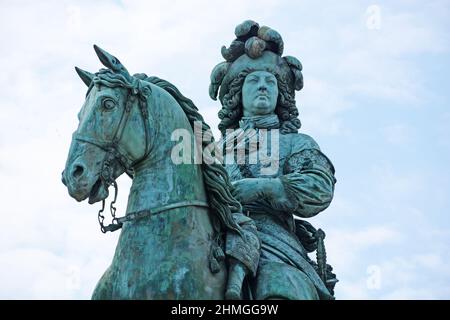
column 108, row 104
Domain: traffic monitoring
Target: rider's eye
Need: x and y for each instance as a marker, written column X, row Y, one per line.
column 108, row 104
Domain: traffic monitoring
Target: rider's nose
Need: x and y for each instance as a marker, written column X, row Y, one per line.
column 262, row 87
column 77, row 171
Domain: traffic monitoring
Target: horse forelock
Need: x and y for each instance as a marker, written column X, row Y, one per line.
column 111, row 79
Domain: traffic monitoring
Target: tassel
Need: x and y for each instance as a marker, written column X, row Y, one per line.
column 321, row 255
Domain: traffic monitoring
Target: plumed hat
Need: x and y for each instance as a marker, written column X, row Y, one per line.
column 255, row 49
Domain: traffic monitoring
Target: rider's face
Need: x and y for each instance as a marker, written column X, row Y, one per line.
column 259, row 93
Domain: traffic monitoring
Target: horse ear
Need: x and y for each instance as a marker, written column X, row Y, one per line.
column 110, row 61
column 85, row 76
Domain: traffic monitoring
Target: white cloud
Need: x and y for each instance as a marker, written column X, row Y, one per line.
column 409, row 277
column 345, row 245
column 356, row 255
column 397, row 134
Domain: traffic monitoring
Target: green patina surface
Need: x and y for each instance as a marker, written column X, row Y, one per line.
column 194, row 252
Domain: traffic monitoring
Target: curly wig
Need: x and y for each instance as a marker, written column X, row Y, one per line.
column 232, row 108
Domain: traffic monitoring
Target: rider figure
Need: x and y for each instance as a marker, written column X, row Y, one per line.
column 257, row 95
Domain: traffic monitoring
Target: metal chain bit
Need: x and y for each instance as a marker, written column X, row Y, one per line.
column 115, row 225
column 112, row 208
column 101, row 217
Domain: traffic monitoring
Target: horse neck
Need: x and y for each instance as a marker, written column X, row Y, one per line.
column 157, row 180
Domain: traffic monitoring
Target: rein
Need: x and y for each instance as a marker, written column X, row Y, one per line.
column 117, row 223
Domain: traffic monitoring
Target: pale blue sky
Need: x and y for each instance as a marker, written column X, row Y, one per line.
column 376, row 99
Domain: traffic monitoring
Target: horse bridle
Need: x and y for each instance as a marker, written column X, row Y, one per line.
column 112, row 147
column 114, row 153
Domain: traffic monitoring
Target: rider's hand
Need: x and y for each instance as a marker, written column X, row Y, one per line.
column 251, row 189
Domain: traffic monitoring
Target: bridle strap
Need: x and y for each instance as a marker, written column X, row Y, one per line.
column 117, row 223
column 113, row 151
column 104, row 145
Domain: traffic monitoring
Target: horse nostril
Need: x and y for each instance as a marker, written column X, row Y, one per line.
column 78, row 171
column 63, row 178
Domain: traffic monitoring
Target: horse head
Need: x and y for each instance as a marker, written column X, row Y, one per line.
column 112, row 135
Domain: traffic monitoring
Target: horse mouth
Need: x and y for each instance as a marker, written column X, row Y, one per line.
column 98, row 192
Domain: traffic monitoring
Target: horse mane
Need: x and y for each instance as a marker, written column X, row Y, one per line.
column 215, row 177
